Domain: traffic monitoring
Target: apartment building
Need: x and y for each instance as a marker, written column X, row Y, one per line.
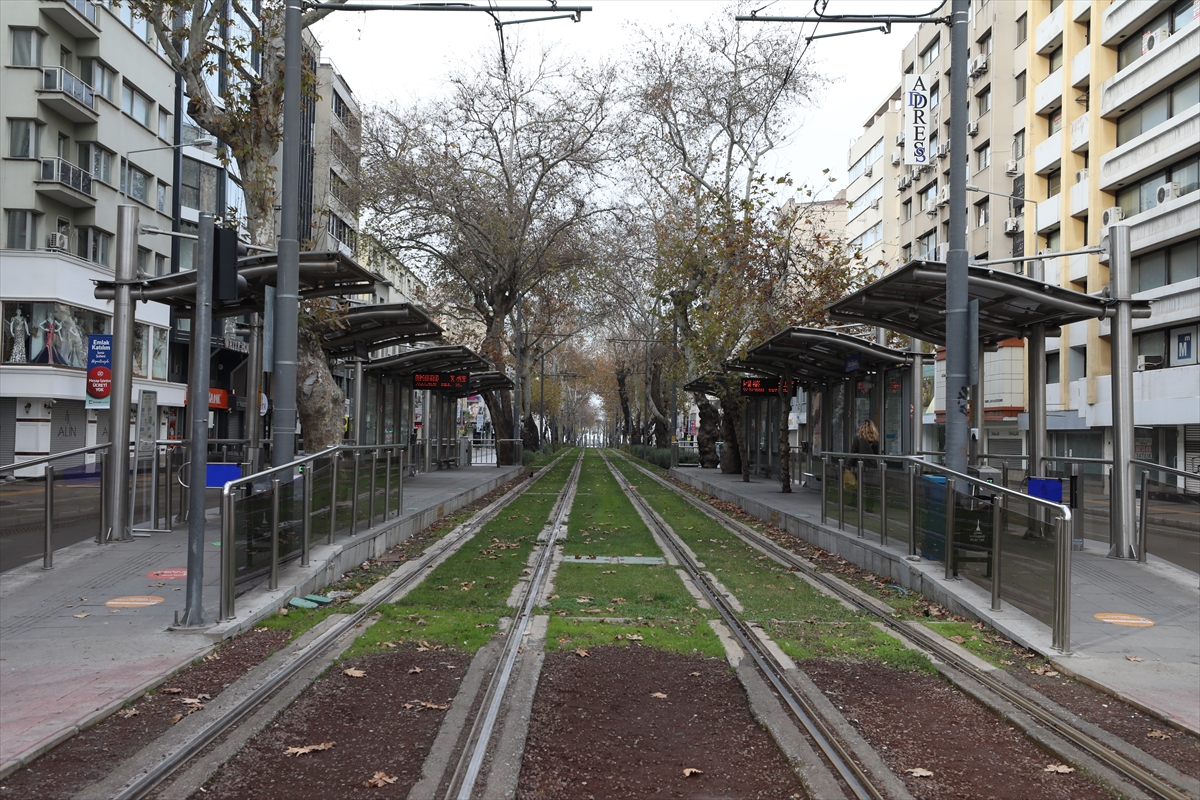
column 81, row 86
column 1114, row 125
column 337, row 132
column 875, row 164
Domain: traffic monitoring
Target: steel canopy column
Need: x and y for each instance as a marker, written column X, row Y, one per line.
column 1035, row 357
column 1121, row 341
column 916, row 410
column 117, row 526
column 287, row 282
column 957, row 340
column 358, row 402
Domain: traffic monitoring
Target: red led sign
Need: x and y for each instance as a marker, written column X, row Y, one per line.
column 440, row 380
column 753, row 387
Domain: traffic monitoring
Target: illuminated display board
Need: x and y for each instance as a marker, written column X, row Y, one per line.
column 753, row 387
column 440, row 380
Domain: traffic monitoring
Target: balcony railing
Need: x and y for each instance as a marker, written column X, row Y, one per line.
column 85, row 7
column 57, row 79
column 60, row 170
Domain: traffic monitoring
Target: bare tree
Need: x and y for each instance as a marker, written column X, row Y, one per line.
column 490, row 189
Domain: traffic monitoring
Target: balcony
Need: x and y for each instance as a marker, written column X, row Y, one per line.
column 1047, row 95
column 1081, row 67
column 61, row 180
column 1048, row 154
column 1081, row 11
column 76, row 17
column 67, row 95
column 1151, row 73
column 1048, row 214
column 1078, row 201
column 1166, row 224
column 1177, row 137
column 1123, row 18
column 1080, row 132
column 1077, row 268
column 1049, row 32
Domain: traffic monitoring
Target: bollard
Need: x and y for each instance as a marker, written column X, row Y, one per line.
column 1077, row 481
column 997, row 528
column 170, row 507
column 48, row 544
column 371, row 491
column 1143, row 531
column 841, row 479
column 400, row 489
column 949, row 529
column 387, row 485
column 274, row 582
column 307, row 527
column 862, row 490
column 227, row 558
column 883, row 506
column 154, row 490
column 354, row 493
column 913, row 475
column 824, row 488
column 333, row 461
column 1064, row 531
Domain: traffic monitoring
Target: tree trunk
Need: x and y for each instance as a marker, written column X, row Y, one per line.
column 319, row 401
column 499, row 405
column 731, row 454
column 529, row 433
column 707, row 432
column 662, row 434
column 623, row 392
column 785, row 450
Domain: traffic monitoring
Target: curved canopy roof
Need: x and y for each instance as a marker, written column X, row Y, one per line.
column 377, row 326
column 488, row 382
column 813, row 355
column 912, row 300
column 447, row 358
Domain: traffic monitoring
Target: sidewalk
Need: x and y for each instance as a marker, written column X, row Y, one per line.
column 1167, row 679
column 68, row 660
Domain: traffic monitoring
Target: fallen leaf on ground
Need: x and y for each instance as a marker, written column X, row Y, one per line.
column 172, row 691
column 81, row 615
column 354, row 673
column 303, row 751
column 381, row 779
column 212, row 657
column 690, row 771
column 1059, row 768
column 1049, row 673
column 659, row 695
column 957, row 639
column 430, row 704
column 694, row 674
column 633, row 637
column 919, row 772
column 1157, row 734
column 414, row 671
column 176, row 718
column 1133, row 658
column 582, row 653
column 133, row 712
column 387, row 644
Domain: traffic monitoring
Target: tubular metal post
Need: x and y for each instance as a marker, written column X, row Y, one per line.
column 154, row 489
column 354, row 493
column 387, row 485
column 333, row 478
column 48, row 543
column 1143, row 531
column 307, row 527
column 400, row 489
column 997, row 529
column 227, row 559
column 1077, row 478
column 120, row 513
column 1064, row 530
column 1122, row 516
column 913, row 482
column 949, row 520
column 274, row 582
column 103, row 500
column 883, row 508
column 841, row 474
column 371, row 493
column 859, row 498
column 824, row 488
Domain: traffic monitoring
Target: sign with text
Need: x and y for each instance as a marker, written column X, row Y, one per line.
column 441, row 380
column 754, row 387
column 147, row 421
column 917, row 120
column 99, row 370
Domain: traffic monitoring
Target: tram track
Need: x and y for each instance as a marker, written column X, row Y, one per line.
column 155, row 774
column 1147, row 774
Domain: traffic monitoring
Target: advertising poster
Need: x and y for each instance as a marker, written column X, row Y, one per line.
column 99, row 370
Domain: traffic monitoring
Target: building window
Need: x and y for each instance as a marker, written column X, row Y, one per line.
column 861, row 203
column 1018, row 148
column 22, row 230
column 137, row 105
column 906, row 253
column 935, row 96
column 1022, row 28
column 928, row 197
column 198, row 186
column 983, row 157
column 983, row 102
column 93, row 244
column 1055, row 58
column 340, row 190
column 342, row 231
column 927, row 245
column 867, row 159
column 161, row 203
column 1020, row 87
column 164, row 125
column 985, row 45
column 1170, row 265
column 1054, row 241
column 49, row 333
column 27, row 47
column 160, row 264
column 341, row 109
column 1158, row 109
column 1052, row 371
column 1054, row 4
column 1053, row 182
column 982, row 214
column 98, row 161
column 135, row 183
column 102, row 79
column 24, row 138
column 1179, row 16
column 1143, row 195
column 906, row 210
column 1054, row 123
column 867, row 238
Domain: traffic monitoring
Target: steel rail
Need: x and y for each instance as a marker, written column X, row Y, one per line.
column 830, row 745
column 928, row 641
column 167, row 766
column 466, row 773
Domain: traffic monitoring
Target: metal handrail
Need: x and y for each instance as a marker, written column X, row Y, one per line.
column 1077, row 460
column 1160, row 468
column 46, row 459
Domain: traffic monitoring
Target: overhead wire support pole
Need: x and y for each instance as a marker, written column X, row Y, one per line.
column 957, row 294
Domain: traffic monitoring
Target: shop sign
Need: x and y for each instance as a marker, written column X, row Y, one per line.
column 99, row 370
column 917, row 122
column 217, row 398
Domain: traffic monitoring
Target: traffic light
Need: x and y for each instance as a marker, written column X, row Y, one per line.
column 225, row 258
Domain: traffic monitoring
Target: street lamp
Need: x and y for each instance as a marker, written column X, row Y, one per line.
column 203, row 141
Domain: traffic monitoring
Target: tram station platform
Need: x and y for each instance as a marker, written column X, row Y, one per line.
column 78, row 641
column 1166, row 678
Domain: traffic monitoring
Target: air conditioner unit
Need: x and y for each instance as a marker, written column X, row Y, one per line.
column 1149, row 362
column 1111, row 216
column 943, row 196
column 1167, row 192
column 931, row 212
column 943, row 150
column 943, row 252
column 1152, row 40
column 869, row 171
column 1081, row 176
column 979, row 65
column 973, row 128
column 1012, row 225
column 875, row 203
column 60, row 241
column 916, row 172
column 896, row 156
column 900, row 139
column 1011, row 168
column 905, row 181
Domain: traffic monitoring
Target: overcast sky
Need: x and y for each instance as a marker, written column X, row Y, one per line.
column 402, row 56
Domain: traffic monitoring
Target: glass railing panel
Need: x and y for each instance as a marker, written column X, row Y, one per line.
column 1173, row 522
column 896, row 485
column 973, row 537
column 1027, row 553
column 930, row 539
column 252, row 532
column 872, row 502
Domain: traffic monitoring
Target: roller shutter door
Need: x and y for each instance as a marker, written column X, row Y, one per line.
column 1191, row 456
column 68, row 431
column 8, row 430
